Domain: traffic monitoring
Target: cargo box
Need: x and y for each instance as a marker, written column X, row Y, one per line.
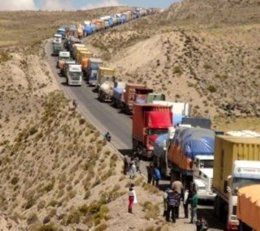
column 227, row 150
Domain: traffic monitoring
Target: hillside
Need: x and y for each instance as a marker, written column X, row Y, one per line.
column 213, row 64
column 57, row 172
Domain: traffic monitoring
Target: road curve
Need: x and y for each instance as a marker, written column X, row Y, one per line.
column 103, row 116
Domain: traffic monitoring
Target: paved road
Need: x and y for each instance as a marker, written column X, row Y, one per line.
column 106, row 118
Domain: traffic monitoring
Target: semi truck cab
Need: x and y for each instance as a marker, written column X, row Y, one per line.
column 74, row 75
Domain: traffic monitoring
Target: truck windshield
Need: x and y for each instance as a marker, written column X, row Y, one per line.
column 75, row 75
column 206, row 164
column 156, row 131
column 239, row 182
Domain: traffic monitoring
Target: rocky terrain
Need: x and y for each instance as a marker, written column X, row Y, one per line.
column 206, row 59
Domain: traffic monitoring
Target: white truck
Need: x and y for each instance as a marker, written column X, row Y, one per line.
column 74, row 75
column 203, row 176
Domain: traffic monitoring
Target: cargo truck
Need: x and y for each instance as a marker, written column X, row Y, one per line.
column 63, row 57
column 56, row 48
column 64, row 68
column 104, row 73
column 188, row 146
column 90, row 71
column 130, row 96
column 74, row 75
column 149, row 121
column 233, row 169
column 179, row 109
column 249, row 200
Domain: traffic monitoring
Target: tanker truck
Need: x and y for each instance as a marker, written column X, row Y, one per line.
column 236, row 165
column 149, row 121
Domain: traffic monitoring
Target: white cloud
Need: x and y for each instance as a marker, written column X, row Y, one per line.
column 17, row 5
column 103, row 3
column 57, row 5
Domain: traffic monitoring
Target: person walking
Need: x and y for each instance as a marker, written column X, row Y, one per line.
column 131, row 198
column 178, row 186
column 156, row 176
column 137, row 164
column 126, row 164
column 186, row 198
column 194, row 204
column 165, row 195
column 150, row 173
column 132, row 170
column 173, row 199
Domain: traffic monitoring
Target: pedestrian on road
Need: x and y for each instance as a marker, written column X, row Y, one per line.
column 194, row 205
column 137, row 164
column 132, row 170
column 173, row 199
column 178, row 186
column 126, row 164
column 165, row 195
column 186, row 200
column 156, row 176
column 131, row 198
column 150, row 173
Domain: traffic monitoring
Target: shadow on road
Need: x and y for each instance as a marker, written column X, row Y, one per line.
column 126, row 152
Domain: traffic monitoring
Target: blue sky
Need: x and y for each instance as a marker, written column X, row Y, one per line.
column 77, row 4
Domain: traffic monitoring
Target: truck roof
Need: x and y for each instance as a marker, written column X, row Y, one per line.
column 64, row 54
column 107, row 68
column 57, row 35
column 243, row 133
column 205, row 157
column 74, row 68
column 243, row 140
column 96, row 60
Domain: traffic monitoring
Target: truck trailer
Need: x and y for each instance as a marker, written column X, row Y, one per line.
column 188, row 146
column 249, row 200
column 149, row 121
column 234, row 168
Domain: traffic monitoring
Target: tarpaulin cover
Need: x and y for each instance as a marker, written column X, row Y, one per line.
column 117, row 92
column 248, row 206
column 159, row 144
column 159, row 119
column 195, row 141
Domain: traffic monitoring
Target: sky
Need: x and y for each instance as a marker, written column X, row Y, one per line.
column 77, row 4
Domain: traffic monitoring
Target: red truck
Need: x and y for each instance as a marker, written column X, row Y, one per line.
column 149, row 121
column 130, row 95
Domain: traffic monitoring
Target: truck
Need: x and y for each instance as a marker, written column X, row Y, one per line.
column 74, row 75
column 248, row 200
column 233, row 169
column 149, row 121
column 63, row 69
column 104, row 73
column 179, row 110
column 56, row 48
column 63, row 56
column 105, row 93
column 129, row 96
column 183, row 151
column 90, row 71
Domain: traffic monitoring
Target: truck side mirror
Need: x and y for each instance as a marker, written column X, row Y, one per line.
column 225, row 186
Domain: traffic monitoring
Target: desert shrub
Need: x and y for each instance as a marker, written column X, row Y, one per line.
column 177, row 70
column 212, row 89
column 49, row 227
column 101, row 227
column 32, row 219
column 151, row 210
column 14, row 180
column 73, row 217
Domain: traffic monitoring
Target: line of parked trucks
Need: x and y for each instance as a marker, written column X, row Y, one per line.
column 218, row 164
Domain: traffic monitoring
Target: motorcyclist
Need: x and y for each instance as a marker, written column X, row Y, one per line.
column 108, row 136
